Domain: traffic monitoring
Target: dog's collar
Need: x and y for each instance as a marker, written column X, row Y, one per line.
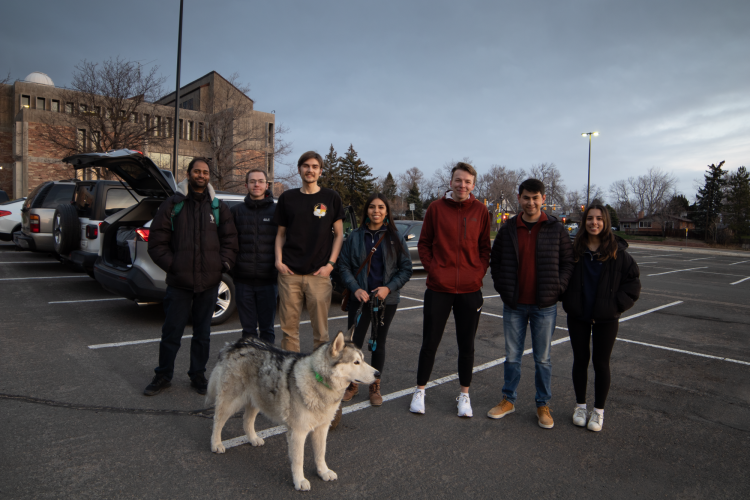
column 320, row 379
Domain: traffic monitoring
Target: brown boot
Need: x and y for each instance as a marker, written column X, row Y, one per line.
column 375, row 398
column 350, row 392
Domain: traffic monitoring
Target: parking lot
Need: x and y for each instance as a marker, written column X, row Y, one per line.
column 75, row 360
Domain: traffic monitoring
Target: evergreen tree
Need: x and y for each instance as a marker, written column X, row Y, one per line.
column 613, row 215
column 738, row 203
column 389, row 188
column 709, row 200
column 331, row 177
column 357, row 180
column 414, row 196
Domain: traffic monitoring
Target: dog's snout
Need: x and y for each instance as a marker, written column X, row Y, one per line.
column 376, row 374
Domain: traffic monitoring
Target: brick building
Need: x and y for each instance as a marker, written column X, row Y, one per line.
column 29, row 108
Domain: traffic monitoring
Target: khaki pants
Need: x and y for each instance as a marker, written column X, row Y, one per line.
column 296, row 290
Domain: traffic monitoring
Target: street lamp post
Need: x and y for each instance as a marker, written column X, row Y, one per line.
column 588, row 184
column 177, row 101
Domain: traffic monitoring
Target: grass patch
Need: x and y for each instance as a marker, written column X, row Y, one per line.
column 636, row 237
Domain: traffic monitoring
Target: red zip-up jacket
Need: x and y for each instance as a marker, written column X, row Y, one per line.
column 454, row 245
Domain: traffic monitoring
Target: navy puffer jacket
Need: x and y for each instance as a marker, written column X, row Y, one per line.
column 554, row 262
column 397, row 270
column 256, row 234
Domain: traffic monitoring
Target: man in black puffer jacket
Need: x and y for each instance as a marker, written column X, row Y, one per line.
column 255, row 273
column 531, row 263
column 188, row 244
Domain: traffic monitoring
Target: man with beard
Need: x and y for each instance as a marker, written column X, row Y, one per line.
column 194, row 240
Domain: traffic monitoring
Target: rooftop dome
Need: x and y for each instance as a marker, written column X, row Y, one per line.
column 37, row 77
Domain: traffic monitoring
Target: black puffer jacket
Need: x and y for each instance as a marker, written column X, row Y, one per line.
column 195, row 253
column 256, row 234
column 554, row 262
column 619, row 287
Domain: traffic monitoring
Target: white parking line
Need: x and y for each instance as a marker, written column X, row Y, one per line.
column 700, row 258
column 678, row 271
column 729, row 360
column 89, row 300
column 222, row 332
column 740, row 281
column 45, row 278
column 649, row 311
column 740, row 262
column 38, row 262
column 274, row 431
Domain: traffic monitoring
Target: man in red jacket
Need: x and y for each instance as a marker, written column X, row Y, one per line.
column 454, row 247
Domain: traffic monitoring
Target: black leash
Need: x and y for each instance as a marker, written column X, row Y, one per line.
column 376, row 305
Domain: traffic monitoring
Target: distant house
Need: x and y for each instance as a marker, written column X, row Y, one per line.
column 655, row 224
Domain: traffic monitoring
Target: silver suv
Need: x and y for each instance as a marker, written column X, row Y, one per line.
column 124, row 266
column 38, row 212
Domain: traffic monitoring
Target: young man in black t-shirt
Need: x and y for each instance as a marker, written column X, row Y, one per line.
column 308, row 242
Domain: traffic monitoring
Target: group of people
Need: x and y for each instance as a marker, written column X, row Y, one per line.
column 286, row 249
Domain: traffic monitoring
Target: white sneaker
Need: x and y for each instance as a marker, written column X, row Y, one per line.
column 579, row 416
column 464, row 405
column 595, row 422
column 417, row 402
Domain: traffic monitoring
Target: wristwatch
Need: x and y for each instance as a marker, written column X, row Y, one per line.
column 333, row 264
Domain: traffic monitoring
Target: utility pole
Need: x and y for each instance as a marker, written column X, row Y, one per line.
column 177, row 101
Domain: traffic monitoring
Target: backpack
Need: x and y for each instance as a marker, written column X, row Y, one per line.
column 177, row 207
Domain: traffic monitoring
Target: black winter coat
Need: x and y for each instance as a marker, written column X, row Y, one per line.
column 554, row 262
column 256, row 235
column 195, row 253
column 619, row 287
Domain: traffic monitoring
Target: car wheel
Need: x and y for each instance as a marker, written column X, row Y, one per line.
column 66, row 232
column 226, row 301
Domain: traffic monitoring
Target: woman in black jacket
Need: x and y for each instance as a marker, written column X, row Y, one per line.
column 604, row 284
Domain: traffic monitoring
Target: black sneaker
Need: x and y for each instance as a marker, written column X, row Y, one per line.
column 158, row 384
column 200, row 384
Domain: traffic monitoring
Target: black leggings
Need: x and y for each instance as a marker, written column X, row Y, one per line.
column 378, row 355
column 467, row 307
column 604, row 336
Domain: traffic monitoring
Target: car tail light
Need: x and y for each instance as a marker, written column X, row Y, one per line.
column 142, row 233
column 92, row 231
column 3, row 213
column 34, row 223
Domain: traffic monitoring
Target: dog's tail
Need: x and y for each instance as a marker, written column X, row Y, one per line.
column 214, row 381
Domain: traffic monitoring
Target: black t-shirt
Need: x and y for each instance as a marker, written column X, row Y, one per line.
column 308, row 219
column 529, row 225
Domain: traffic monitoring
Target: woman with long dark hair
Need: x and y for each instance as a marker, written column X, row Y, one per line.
column 605, row 283
column 375, row 289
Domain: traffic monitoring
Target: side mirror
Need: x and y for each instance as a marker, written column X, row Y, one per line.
column 409, row 237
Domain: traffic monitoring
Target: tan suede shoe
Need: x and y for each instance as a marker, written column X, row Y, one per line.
column 503, row 408
column 350, row 392
column 545, row 418
column 375, row 398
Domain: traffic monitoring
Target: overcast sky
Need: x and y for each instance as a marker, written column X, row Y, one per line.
column 418, row 83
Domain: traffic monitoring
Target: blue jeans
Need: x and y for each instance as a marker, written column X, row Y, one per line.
column 257, row 308
column 542, row 323
column 179, row 304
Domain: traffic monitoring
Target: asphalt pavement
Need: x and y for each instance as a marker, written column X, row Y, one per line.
column 75, row 360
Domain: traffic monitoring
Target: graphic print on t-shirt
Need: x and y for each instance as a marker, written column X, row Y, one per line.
column 320, row 210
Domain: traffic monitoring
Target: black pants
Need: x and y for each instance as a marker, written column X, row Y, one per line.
column 604, row 335
column 179, row 304
column 378, row 355
column 467, row 307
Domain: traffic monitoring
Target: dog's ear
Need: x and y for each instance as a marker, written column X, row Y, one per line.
column 337, row 345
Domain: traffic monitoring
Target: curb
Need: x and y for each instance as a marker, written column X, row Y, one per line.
column 705, row 251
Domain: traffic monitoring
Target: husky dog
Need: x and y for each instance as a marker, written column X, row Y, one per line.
column 301, row 391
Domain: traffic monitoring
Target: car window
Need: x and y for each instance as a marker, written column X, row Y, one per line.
column 117, row 199
column 59, row 194
column 406, row 229
column 401, row 228
column 231, row 203
column 33, row 194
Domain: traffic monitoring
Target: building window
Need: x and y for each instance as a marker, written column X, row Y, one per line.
column 157, row 126
column 25, row 101
column 83, row 109
column 55, row 106
column 644, row 223
column 182, row 133
column 40, row 103
column 81, row 139
column 69, row 108
column 190, row 131
column 108, row 113
column 201, row 132
column 626, row 225
column 96, row 138
column 133, row 117
column 187, row 104
column 98, row 110
column 269, row 135
column 168, row 128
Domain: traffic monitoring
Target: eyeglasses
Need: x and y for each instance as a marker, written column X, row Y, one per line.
column 254, row 182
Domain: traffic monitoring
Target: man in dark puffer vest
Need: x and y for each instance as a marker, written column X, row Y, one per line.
column 531, row 264
column 255, row 273
column 194, row 251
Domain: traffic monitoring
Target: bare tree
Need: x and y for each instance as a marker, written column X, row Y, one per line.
column 110, row 106
column 5, row 80
column 649, row 193
column 551, row 177
column 408, row 179
column 237, row 142
column 500, row 185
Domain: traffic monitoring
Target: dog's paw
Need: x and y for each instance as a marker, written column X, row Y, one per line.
column 328, row 475
column 303, row 485
column 256, row 441
column 218, row 448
